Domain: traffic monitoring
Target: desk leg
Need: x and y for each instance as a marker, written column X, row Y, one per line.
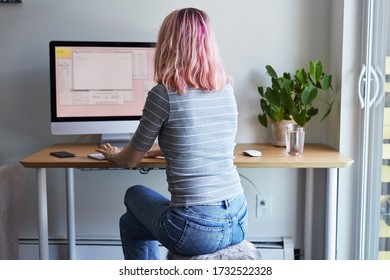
column 309, row 193
column 42, row 214
column 71, row 213
column 331, row 215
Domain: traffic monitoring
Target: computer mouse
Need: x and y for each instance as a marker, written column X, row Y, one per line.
column 252, row 153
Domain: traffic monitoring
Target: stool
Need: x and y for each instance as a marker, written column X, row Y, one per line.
column 242, row 251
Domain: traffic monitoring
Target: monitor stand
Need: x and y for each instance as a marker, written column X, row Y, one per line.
column 119, row 140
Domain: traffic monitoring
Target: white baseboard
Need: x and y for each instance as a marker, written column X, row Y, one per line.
column 270, row 249
column 85, row 250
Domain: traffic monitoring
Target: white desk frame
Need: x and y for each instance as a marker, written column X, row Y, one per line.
column 331, row 204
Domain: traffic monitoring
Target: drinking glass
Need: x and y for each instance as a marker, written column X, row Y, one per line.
column 295, row 138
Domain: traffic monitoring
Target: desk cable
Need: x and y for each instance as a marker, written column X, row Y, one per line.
column 262, row 202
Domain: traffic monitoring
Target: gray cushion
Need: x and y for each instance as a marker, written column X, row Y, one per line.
column 242, row 251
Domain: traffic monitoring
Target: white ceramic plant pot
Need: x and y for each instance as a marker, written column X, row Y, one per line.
column 279, row 132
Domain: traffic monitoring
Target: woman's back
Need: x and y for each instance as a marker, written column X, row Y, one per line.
column 196, row 133
column 198, row 142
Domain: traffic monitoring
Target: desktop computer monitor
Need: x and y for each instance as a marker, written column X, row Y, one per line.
column 99, row 87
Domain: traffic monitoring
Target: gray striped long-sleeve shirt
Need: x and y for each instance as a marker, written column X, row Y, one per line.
column 196, row 132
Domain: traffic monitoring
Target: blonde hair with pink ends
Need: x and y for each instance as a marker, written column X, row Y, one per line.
column 187, row 54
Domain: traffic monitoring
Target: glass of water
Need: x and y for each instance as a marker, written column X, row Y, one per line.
column 295, row 139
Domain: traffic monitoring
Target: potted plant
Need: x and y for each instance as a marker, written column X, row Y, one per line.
column 290, row 98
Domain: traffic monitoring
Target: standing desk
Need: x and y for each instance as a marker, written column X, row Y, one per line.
column 314, row 156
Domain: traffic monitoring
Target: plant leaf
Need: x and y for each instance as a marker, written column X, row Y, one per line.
column 266, row 107
column 263, row 104
column 287, row 76
column 275, row 84
column 309, row 94
column 300, row 118
column 315, row 71
column 327, row 82
column 328, row 111
column 285, row 83
column 262, row 119
column 279, row 114
column 271, row 71
column 286, row 99
column 312, row 112
column 260, row 90
column 301, row 76
column 272, row 97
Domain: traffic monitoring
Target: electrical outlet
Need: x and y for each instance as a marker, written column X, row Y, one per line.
column 263, row 206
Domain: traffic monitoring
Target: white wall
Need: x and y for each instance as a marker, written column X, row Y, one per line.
column 251, row 34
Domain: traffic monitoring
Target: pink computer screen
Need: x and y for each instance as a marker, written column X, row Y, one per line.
column 100, row 79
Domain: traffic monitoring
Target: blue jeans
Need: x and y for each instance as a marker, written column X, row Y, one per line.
column 192, row 230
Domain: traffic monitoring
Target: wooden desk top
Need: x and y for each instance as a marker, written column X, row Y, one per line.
column 314, row 156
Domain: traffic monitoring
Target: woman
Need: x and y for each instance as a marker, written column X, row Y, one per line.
column 193, row 112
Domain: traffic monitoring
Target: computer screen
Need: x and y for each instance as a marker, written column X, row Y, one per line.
column 99, row 87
